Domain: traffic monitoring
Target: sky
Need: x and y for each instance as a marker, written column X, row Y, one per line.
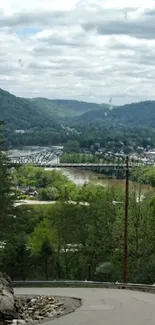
column 91, row 50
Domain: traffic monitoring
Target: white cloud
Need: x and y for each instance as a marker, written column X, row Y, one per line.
column 82, row 49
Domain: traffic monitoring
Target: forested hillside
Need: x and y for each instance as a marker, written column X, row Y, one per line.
column 52, row 122
column 65, row 109
column 142, row 113
column 135, row 114
column 20, row 113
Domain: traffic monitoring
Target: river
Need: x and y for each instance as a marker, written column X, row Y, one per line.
column 81, row 177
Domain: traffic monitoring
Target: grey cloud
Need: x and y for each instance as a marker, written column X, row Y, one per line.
column 67, row 61
column 59, row 41
column 142, row 27
column 51, row 51
column 33, row 18
column 7, row 69
column 52, row 18
column 147, row 60
column 58, row 64
column 150, row 12
column 140, row 53
column 117, row 44
column 104, row 22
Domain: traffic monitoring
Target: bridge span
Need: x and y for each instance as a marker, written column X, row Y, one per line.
column 36, row 158
column 72, row 165
column 50, row 158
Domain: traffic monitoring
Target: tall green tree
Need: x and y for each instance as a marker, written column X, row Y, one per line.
column 7, row 194
column 15, row 257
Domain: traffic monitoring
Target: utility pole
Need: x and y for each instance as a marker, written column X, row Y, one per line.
column 125, row 259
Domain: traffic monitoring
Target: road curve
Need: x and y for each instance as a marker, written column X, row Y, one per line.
column 103, row 306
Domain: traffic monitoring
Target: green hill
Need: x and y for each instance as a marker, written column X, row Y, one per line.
column 135, row 114
column 20, row 113
column 142, row 113
column 91, row 117
column 62, row 109
column 26, row 114
column 42, row 113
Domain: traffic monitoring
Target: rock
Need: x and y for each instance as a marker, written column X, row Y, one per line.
column 18, row 322
column 32, row 310
column 32, row 301
column 39, row 308
column 15, row 322
column 7, row 300
column 21, row 321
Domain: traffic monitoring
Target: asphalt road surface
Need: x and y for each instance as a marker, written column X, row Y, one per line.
column 103, row 306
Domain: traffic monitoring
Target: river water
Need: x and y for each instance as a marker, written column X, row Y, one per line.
column 81, row 177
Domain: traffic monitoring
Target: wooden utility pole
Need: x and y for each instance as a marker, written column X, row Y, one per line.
column 125, row 259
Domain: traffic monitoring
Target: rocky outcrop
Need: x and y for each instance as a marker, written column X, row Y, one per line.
column 8, row 308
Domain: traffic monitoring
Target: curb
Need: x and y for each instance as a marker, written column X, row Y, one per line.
column 84, row 284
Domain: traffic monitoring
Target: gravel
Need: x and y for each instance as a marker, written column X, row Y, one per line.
column 38, row 309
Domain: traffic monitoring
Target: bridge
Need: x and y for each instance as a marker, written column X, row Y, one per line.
column 49, row 158
column 38, row 158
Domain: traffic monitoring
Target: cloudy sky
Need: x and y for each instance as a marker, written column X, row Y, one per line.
column 89, row 50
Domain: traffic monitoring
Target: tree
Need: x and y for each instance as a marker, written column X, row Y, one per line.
column 15, row 257
column 49, row 194
column 46, row 254
column 71, row 146
column 41, row 243
column 7, row 196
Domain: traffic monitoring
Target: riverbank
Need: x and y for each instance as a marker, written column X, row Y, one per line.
column 82, row 177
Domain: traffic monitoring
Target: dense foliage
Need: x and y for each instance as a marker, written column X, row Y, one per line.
column 115, row 138
column 81, row 239
column 49, row 185
column 82, row 158
column 145, row 175
column 7, row 192
column 110, row 139
column 65, row 108
column 135, row 114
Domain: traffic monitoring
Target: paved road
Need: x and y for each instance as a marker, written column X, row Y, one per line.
column 103, row 306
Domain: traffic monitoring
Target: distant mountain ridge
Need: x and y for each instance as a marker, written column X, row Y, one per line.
column 25, row 113
column 135, row 114
column 42, row 113
column 20, row 113
column 142, row 113
column 66, row 108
